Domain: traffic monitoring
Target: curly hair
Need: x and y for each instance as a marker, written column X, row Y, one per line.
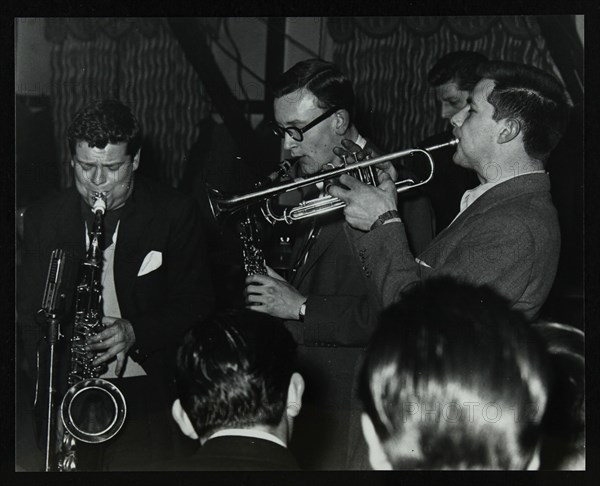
column 102, row 122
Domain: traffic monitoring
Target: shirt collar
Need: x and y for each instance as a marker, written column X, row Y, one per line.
column 257, row 434
column 360, row 140
column 471, row 195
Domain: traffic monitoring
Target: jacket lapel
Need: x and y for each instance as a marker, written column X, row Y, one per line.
column 326, row 237
column 499, row 194
column 328, row 233
column 129, row 253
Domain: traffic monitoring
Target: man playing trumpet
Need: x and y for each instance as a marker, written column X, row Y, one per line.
column 506, row 234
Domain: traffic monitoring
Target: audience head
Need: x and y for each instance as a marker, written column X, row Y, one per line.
column 454, row 76
column 563, row 446
column 453, row 379
column 236, row 370
column 104, row 140
column 313, row 107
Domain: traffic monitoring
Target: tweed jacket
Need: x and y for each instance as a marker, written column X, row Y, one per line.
column 508, row 238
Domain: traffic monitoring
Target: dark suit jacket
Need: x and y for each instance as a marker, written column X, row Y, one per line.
column 508, row 238
column 232, row 453
column 160, row 305
column 340, row 317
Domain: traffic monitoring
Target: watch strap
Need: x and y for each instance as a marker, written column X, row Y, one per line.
column 392, row 214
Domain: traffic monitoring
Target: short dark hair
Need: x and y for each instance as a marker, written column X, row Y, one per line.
column 234, row 370
column 458, row 66
column 533, row 97
column 323, row 79
column 447, row 344
column 102, row 122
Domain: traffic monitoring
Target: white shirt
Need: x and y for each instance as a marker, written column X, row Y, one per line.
column 257, row 434
column 110, row 305
column 471, row 195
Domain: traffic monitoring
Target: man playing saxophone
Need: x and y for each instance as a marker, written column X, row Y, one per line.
column 325, row 303
column 155, row 282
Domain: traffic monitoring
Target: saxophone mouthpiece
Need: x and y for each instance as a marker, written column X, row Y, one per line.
column 99, row 202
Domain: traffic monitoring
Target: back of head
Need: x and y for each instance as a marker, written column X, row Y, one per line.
column 455, row 379
column 323, row 79
column 459, row 66
column 102, row 122
column 534, row 98
column 233, row 371
column 564, row 421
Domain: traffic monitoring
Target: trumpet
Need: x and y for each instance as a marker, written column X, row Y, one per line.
column 223, row 205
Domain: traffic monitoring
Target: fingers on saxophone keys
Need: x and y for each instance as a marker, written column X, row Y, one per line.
column 103, row 358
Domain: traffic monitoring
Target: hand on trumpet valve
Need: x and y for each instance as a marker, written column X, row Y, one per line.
column 351, row 152
column 365, row 203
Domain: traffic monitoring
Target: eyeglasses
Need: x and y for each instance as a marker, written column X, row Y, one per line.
column 297, row 133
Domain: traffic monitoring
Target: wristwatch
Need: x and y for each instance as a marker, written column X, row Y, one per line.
column 393, row 214
column 302, row 312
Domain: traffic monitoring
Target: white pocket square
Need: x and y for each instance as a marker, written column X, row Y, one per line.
column 151, row 262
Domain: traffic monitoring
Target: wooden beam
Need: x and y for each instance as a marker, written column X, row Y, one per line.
column 193, row 42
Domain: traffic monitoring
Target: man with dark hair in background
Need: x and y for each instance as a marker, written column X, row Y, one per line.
column 507, row 233
column 238, row 394
column 454, row 379
column 325, row 304
column 453, row 77
column 154, row 281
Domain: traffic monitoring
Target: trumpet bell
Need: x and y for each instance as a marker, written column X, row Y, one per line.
column 93, row 410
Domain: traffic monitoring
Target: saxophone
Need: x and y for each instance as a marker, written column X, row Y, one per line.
column 93, row 410
column 252, row 254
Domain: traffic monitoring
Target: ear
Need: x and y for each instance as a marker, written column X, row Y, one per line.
column 136, row 159
column 341, row 120
column 294, row 396
column 377, row 456
column 510, row 129
column 183, row 420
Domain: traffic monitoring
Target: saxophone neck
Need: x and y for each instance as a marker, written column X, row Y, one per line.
column 94, row 253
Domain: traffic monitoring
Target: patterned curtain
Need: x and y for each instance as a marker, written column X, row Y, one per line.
column 388, row 59
column 139, row 62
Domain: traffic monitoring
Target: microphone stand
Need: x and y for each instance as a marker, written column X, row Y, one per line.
column 51, row 313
